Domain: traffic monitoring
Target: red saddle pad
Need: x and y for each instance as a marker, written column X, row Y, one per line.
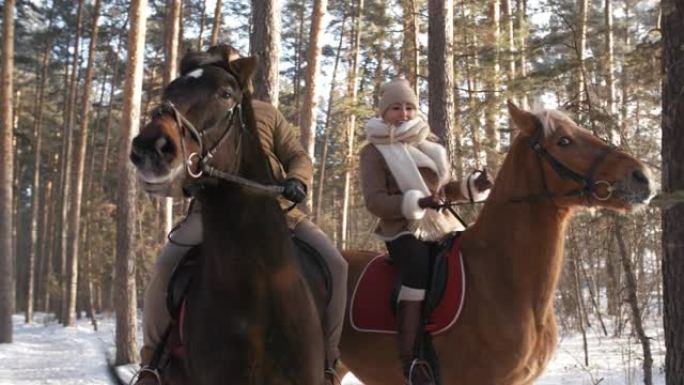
column 370, row 310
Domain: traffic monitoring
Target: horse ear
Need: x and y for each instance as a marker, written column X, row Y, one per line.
column 224, row 51
column 523, row 120
column 244, row 69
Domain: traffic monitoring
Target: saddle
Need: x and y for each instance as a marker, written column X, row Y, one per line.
column 309, row 260
column 374, row 299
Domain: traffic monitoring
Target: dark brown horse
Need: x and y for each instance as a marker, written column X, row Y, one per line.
column 250, row 316
column 506, row 332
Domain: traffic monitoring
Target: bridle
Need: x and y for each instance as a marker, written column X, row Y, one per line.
column 202, row 157
column 588, row 185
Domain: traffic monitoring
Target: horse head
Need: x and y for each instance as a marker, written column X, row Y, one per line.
column 200, row 110
column 570, row 166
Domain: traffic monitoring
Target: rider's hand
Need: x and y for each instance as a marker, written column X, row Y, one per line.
column 430, row 202
column 294, row 190
column 483, row 181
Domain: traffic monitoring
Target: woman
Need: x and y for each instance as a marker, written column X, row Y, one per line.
column 404, row 172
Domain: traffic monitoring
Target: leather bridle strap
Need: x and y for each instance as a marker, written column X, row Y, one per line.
column 182, row 124
column 587, row 182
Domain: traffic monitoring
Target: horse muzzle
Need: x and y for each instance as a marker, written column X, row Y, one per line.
column 155, row 158
column 636, row 188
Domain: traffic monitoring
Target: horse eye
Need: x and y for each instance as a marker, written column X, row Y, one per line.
column 564, row 141
column 226, row 94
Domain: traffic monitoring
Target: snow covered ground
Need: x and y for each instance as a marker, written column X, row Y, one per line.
column 47, row 353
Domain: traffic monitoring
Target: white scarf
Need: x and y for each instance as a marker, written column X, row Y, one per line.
column 405, row 149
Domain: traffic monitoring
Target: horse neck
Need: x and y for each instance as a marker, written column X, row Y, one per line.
column 244, row 235
column 521, row 243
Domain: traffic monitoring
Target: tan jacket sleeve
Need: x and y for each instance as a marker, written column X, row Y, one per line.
column 374, row 181
column 289, row 150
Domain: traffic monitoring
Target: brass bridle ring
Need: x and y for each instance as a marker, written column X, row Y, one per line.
column 188, row 165
column 609, row 188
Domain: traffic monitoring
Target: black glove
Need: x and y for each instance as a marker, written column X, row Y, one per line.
column 430, row 202
column 294, row 190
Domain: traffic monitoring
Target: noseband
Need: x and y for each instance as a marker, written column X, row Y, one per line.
column 203, row 157
column 588, row 185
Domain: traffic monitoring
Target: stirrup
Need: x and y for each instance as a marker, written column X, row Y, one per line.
column 146, row 369
column 420, row 364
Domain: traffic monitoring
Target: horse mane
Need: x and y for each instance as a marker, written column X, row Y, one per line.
column 255, row 162
column 193, row 60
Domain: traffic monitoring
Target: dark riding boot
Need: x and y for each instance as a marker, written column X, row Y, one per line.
column 409, row 326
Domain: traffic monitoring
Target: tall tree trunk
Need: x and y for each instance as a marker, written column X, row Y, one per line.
column 265, row 44
column 326, row 129
column 126, row 351
column 66, row 187
column 581, row 310
column 492, row 82
column 298, row 59
column 613, row 285
column 217, row 23
column 110, row 115
column 352, row 79
column 441, row 71
column 35, row 186
column 673, row 182
column 631, row 287
column 510, row 38
column 624, row 72
column 310, row 105
column 610, row 74
column 170, row 73
column 473, row 113
column 79, row 161
column 410, row 52
column 521, row 11
column 6, row 174
column 47, row 234
column 200, row 38
column 581, row 47
column 308, row 120
column 457, row 157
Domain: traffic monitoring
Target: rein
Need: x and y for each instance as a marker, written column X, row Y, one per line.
column 203, row 159
column 588, row 187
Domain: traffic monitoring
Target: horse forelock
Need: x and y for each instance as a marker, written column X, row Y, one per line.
column 195, row 60
column 550, row 119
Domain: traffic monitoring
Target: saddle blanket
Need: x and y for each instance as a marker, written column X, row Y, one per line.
column 370, row 309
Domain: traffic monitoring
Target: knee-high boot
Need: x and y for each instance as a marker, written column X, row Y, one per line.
column 409, row 325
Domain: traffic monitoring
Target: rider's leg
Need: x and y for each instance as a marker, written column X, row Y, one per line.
column 334, row 318
column 156, row 317
column 412, row 257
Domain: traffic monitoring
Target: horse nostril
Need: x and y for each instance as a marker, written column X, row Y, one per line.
column 163, row 146
column 640, row 177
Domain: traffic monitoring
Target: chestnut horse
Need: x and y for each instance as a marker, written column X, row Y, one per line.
column 506, row 332
column 250, row 316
